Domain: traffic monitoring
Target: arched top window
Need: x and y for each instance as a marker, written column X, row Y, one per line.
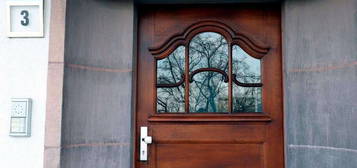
column 209, row 72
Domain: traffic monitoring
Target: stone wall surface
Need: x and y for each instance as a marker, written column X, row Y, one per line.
column 96, row 121
column 320, row 59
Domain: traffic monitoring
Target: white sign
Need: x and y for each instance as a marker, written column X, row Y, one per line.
column 25, row 18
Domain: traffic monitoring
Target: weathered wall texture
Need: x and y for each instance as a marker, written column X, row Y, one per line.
column 96, row 123
column 320, row 58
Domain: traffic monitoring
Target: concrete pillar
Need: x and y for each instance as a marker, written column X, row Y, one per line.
column 320, row 68
column 97, row 93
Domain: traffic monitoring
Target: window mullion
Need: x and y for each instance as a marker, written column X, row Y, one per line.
column 187, row 76
column 230, row 87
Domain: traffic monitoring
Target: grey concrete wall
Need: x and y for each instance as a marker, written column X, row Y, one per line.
column 96, row 123
column 320, row 59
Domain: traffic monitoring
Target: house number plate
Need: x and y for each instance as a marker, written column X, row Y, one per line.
column 25, row 18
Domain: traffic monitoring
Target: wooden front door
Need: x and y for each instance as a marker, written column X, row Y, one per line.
column 209, row 86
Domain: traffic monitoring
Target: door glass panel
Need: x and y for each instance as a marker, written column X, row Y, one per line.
column 171, row 100
column 248, row 71
column 170, row 71
column 208, row 53
column 208, row 78
column 208, row 50
column 245, row 67
column 208, row 93
column 247, row 99
column 171, row 68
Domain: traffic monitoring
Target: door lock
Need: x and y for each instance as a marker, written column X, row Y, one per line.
column 144, row 141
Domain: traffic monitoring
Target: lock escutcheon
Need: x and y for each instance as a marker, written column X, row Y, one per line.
column 144, row 141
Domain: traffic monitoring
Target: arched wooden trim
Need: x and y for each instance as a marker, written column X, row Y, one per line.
column 231, row 36
column 208, row 70
column 234, row 80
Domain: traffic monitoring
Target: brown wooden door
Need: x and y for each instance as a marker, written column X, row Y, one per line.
column 209, row 86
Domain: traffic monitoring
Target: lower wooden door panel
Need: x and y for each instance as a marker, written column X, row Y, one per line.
column 201, row 155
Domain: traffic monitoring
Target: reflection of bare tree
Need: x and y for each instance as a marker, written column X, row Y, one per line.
column 170, row 70
column 208, row 91
column 247, row 69
column 247, row 100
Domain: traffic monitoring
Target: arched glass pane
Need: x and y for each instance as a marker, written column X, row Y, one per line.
column 247, row 70
column 246, row 67
column 208, row 91
column 171, row 68
column 170, row 71
column 209, row 50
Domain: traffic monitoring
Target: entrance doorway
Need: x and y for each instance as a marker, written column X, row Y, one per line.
column 209, row 87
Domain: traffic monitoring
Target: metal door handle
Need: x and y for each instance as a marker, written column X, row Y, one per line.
column 144, row 141
column 147, row 140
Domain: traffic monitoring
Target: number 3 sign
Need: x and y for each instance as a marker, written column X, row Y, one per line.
column 25, row 18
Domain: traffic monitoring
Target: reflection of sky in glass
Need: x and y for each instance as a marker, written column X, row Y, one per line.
column 208, row 91
column 208, row 50
column 248, row 70
column 245, row 66
column 171, row 68
column 169, row 71
column 247, row 99
column 171, row 100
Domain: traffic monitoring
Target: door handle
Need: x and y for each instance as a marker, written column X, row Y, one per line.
column 144, row 141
